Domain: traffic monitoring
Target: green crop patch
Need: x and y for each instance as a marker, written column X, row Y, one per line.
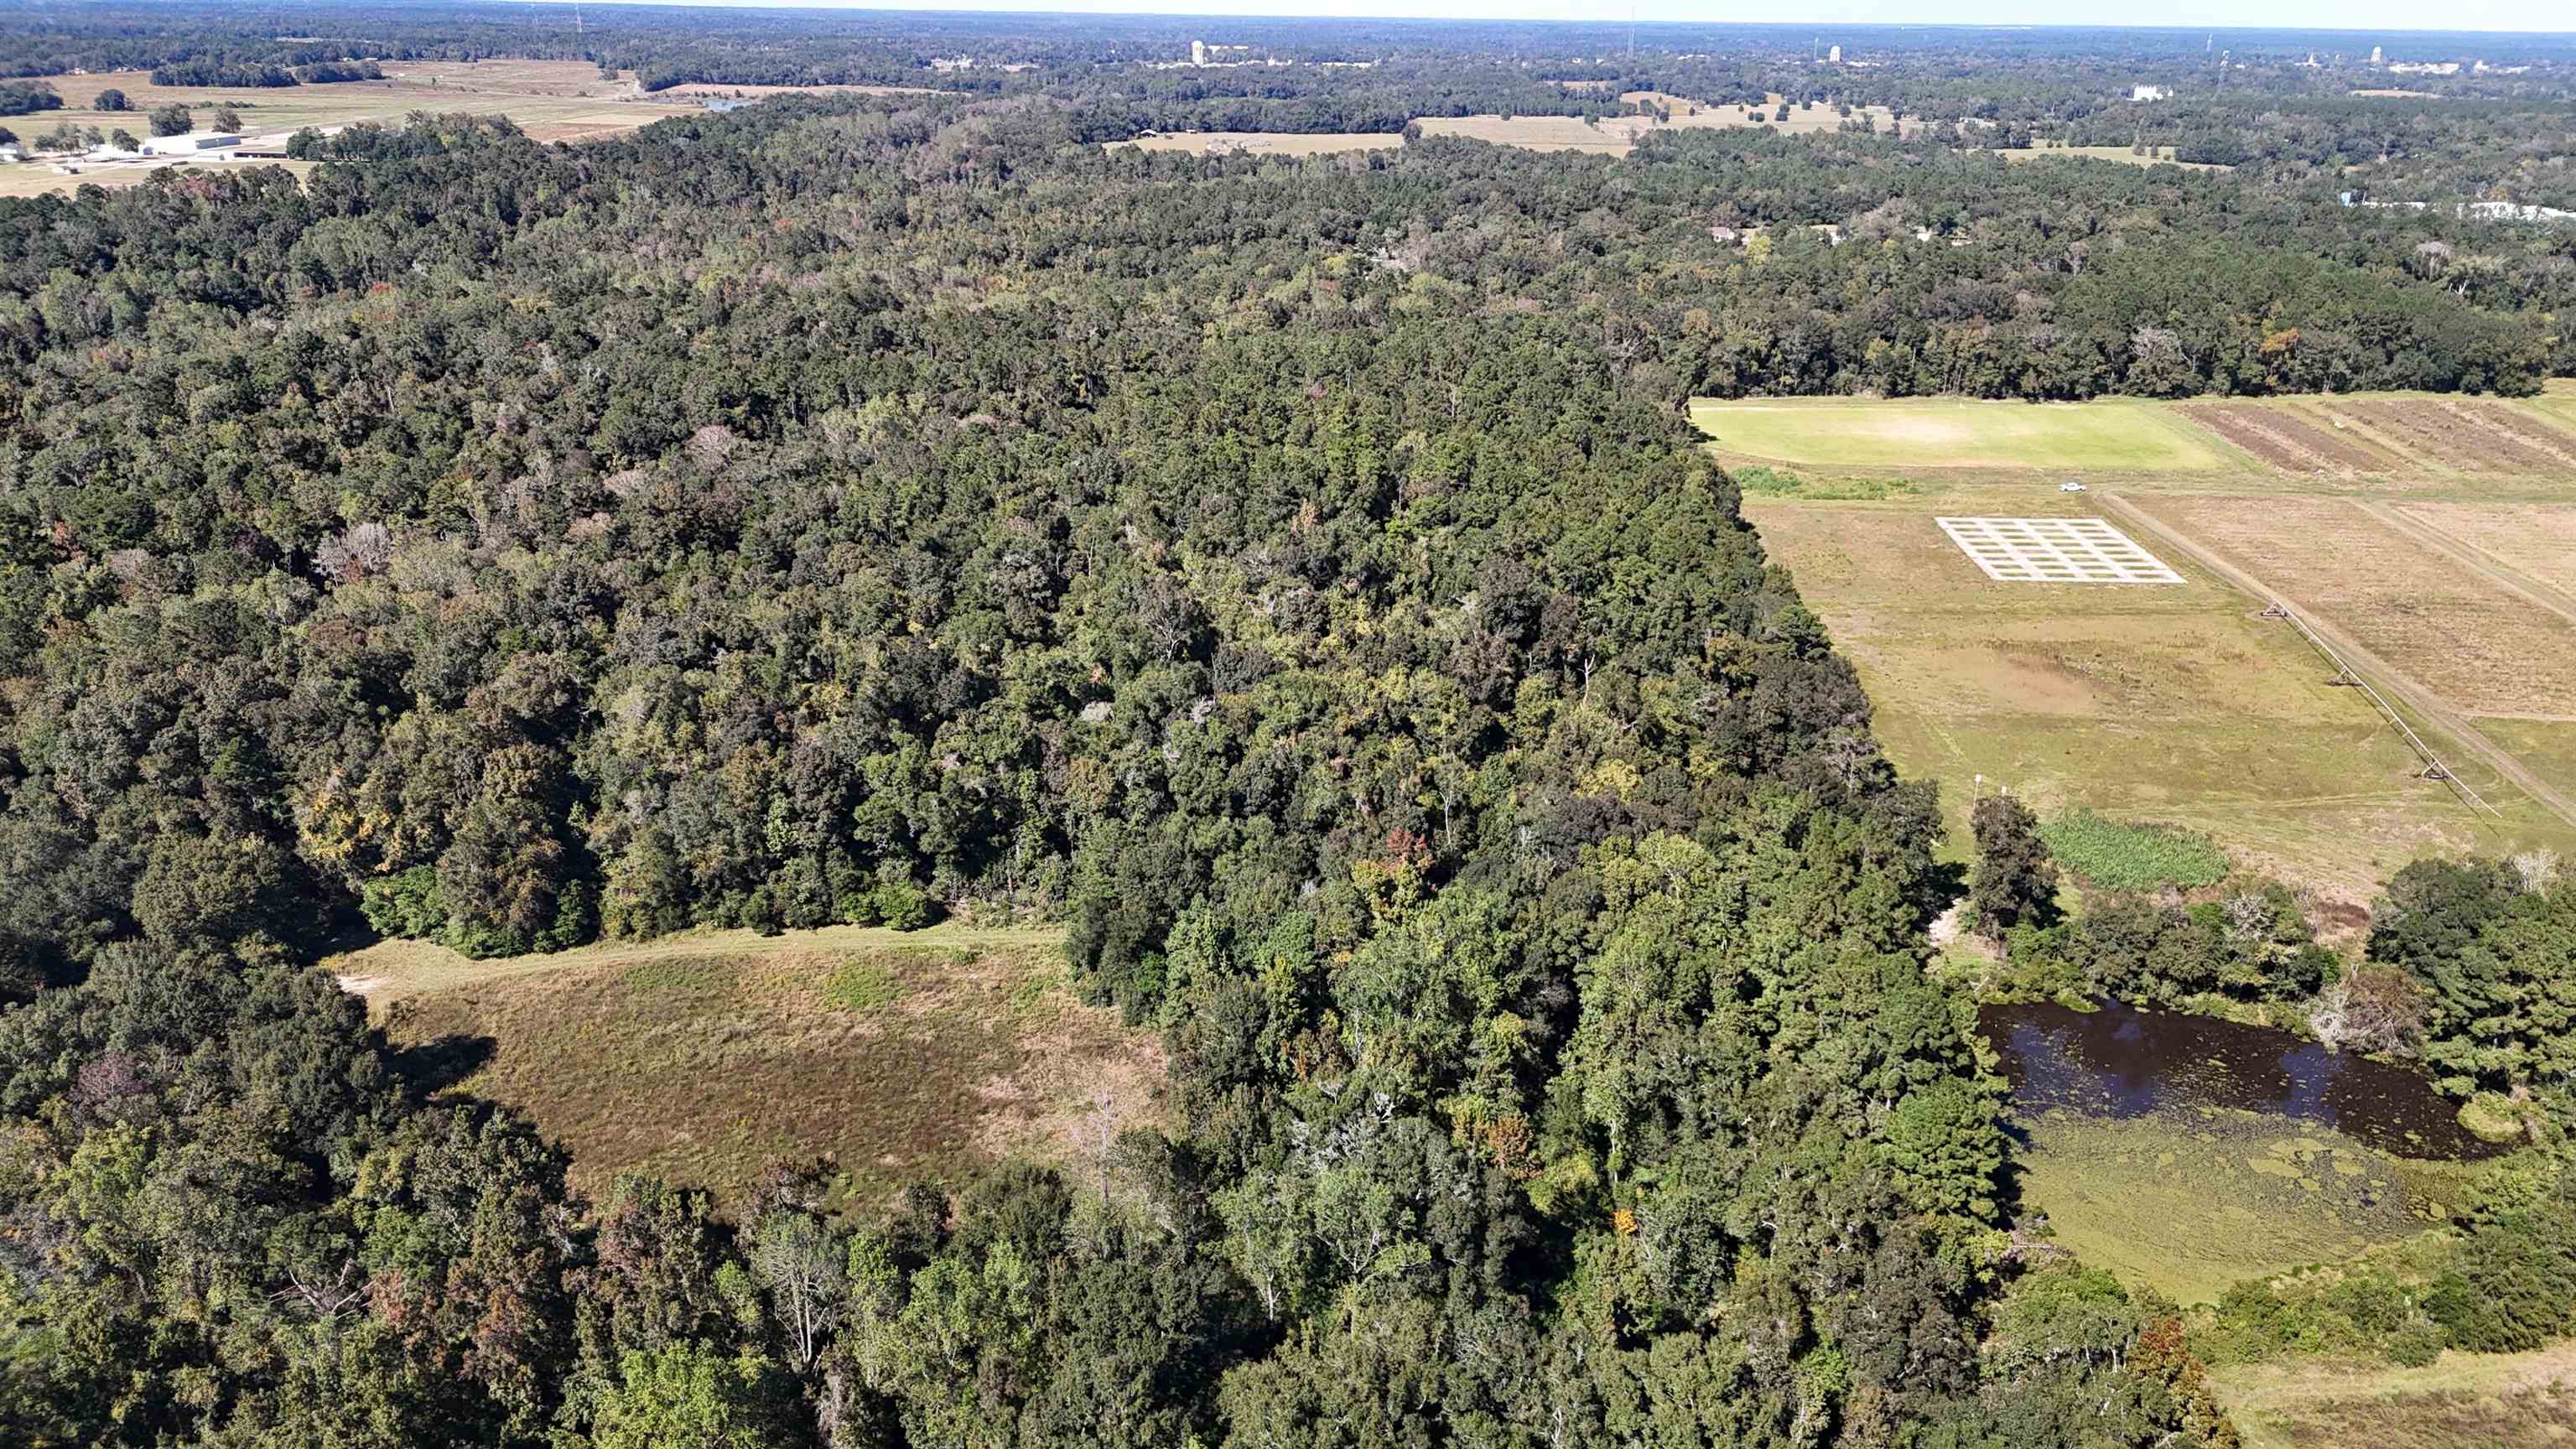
column 2115, row 855
column 1766, row 482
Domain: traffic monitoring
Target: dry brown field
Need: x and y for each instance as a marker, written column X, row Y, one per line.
column 2474, row 641
column 1611, row 136
column 2288, row 441
column 2537, row 540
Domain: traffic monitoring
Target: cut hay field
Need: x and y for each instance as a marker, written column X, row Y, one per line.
column 1262, row 143
column 2109, row 433
column 902, row 1056
column 2475, row 641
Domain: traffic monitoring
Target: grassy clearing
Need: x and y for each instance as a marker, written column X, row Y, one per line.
column 2124, row 857
column 2548, row 747
column 898, row 1056
column 2459, row 1401
column 1914, row 433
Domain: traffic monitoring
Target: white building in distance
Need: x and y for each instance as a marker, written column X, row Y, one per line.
column 2149, row 93
column 194, row 143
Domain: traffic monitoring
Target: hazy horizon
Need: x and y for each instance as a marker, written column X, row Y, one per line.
column 2359, row 18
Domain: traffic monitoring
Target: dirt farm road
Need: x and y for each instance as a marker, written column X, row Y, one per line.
column 2460, row 727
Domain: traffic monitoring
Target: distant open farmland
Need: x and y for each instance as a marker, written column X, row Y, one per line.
column 41, row 180
column 1609, row 136
column 551, row 100
column 905, row 1056
column 1618, row 135
column 2118, row 433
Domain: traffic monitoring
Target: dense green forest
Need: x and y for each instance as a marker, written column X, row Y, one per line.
column 789, row 516
column 1294, row 577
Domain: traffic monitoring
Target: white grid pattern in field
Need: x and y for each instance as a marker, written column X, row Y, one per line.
column 2055, row 551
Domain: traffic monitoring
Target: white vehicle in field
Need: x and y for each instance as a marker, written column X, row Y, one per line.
column 2070, row 486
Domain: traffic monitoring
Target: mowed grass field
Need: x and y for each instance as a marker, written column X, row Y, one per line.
column 2180, row 704
column 904, row 1056
column 2113, row 433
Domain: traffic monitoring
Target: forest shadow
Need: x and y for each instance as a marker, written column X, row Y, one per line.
column 427, row 1068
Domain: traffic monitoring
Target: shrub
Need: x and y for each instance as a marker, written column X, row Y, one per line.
column 904, row 906
column 2514, row 1289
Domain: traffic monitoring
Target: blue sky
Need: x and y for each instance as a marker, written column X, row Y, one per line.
column 2557, row 16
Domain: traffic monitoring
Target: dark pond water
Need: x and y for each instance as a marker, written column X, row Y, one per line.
column 2121, row 1062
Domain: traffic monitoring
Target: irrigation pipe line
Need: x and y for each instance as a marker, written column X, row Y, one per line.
column 2434, row 769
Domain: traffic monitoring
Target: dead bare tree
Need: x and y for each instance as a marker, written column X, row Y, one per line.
column 2537, row 868
column 2371, row 1009
column 803, row 1265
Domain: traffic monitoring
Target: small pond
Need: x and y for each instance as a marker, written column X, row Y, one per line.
column 2120, row 1062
